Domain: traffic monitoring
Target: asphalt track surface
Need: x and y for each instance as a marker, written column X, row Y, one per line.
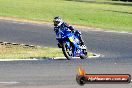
column 115, row 50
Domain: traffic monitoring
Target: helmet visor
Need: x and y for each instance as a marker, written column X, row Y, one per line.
column 56, row 23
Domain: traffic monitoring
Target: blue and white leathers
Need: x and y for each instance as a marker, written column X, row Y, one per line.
column 71, row 40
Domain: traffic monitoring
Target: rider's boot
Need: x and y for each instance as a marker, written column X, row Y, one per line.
column 82, row 43
column 78, row 33
column 59, row 45
column 81, row 40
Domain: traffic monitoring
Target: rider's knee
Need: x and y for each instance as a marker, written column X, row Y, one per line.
column 59, row 45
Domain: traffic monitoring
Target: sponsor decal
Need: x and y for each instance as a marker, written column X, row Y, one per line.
column 83, row 78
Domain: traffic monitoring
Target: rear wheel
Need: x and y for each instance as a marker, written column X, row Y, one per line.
column 66, row 51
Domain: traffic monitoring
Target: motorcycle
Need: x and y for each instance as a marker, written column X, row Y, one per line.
column 70, row 45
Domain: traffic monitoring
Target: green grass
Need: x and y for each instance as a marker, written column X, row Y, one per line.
column 24, row 52
column 20, row 52
column 111, row 15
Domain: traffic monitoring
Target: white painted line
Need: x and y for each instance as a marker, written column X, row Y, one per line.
column 95, row 56
column 17, row 22
column 5, row 42
column 15, row 43
column 9, row 82
column 123, row 32
column 19, row 59
column 62, row 58
column 22, row 44
column 57, row 58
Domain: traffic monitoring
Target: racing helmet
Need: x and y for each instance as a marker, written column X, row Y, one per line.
column 57, row 21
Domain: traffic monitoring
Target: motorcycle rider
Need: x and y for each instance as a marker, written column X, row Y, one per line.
column 60, row 25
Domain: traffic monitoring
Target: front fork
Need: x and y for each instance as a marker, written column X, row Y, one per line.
column 74, row 49
column 69, row 44
column 75, row 52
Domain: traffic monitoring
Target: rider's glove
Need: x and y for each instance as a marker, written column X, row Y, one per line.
column 71, row 28
column 73, row 31
column 56, row 29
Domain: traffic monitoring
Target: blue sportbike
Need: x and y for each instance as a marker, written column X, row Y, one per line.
column 70, row 45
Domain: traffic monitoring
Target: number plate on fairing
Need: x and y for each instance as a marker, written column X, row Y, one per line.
column 73, row 39
column 76, row 40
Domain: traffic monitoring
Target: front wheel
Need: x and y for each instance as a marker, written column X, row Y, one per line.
column 67, row 51
column 84, row 55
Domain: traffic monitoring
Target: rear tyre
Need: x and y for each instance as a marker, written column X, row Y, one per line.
column 66, row 51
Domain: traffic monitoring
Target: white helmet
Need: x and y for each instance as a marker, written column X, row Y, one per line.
column 57, row 21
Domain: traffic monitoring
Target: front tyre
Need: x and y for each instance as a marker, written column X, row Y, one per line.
column 66, row 51
column 84, row 55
